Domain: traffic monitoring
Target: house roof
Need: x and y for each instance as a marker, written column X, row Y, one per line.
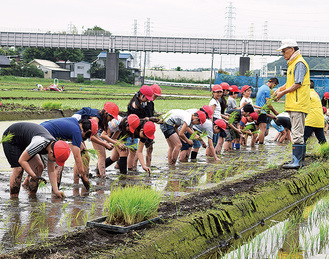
column 4, row 61
column 49, row 65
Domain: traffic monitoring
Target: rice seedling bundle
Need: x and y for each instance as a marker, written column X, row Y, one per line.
column 130, row 205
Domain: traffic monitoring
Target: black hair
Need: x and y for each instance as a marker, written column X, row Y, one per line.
column 123, row 127
column 274, row 80
column 311, row 84
column 52, row 147
column 86, row 126
column 248, row 108
column 201, row 109
column 223, row 104
column 103, row 123
column 296, row 48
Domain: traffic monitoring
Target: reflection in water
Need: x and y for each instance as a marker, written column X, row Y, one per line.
column 300, row 232
column 25, row 221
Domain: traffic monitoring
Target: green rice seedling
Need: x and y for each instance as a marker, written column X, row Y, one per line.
column 233, row 117
column 44, row 233
column 197, row 136
column 51, row 105
column 7, row 138
column 93, row 153
column 321, row 151
column 64, row 206
column 17, row 230
column 131, row 204
column 121, row 141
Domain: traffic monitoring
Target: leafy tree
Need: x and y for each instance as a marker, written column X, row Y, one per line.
column 21, row 69
column 96, row 30
column 97, row 71
column 73, row 55
column 249, row 73
column 125, row 74
column 178, row 69
column 40, row 53
column 6, row 51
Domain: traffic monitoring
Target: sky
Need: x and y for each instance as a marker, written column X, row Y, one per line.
column 299, row 20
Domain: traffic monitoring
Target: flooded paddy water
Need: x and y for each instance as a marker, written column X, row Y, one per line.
column 26, row 220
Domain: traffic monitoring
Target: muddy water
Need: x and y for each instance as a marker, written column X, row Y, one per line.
column 26, row 220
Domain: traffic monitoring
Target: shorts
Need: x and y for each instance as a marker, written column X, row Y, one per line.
column 132, row 143
column 186, row 146
column 262, row 118
column 276, row 126
column 12, row 153
column 231, row 134
column 167, row 130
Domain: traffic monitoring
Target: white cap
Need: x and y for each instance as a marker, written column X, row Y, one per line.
column 287, row 43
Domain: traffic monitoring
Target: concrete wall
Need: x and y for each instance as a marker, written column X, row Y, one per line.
column 170, row 74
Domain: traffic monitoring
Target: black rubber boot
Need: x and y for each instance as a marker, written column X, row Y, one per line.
column 123, row 165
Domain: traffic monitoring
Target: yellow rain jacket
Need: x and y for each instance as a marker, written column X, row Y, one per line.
column 299, row 100
column 315, row 117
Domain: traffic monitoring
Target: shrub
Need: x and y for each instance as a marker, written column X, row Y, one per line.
column 131, row 205
column 80, row 79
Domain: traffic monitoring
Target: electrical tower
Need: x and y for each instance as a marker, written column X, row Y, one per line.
column 229, row 16
column 263, row 71
column 230, row 29
column 135, row 53
column 251, row 37
column 147, row 29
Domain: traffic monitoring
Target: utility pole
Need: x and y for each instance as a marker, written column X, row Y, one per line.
column 212, row 65
column 229, row 27
column 135, row 53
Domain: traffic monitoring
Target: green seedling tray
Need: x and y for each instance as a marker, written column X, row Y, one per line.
column 98, row 223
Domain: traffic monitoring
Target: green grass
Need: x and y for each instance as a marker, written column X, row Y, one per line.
column 131, row 205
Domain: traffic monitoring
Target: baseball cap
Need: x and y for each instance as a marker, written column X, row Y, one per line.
column 207, row 109
column 225, row 86
column 202, row 117
column 94, row 126
column 254, row 116
column 220, row 123
column 245, row 88
column 324, row 110
column 235, row 89
column 112, row 109
column 133, row 122
column 156, row 89
column 287, row 43
column 149, row 129
column 326, row 94
column 147, row 91
column 216, row 88
column 61, row 152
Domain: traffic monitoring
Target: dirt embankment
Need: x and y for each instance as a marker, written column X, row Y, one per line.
column 194, row 223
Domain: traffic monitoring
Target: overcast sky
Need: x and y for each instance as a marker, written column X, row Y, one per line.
column 300, row 20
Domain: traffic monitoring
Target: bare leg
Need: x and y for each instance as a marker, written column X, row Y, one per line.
column 101, row 158
column 37, row 167
column 175, row 146
column 148, row 156
column 15, row 181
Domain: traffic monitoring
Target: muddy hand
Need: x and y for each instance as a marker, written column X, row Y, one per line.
column 85, row 182
column 41, row 179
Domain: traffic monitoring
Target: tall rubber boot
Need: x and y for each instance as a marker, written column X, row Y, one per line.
column 298, row 153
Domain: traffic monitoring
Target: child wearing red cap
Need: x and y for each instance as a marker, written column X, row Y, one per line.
column 231, row 102
column 24, row 151
column 245, row 96
column 173, row 120
column 109, row 112
column 75, row 132
column 326, row 119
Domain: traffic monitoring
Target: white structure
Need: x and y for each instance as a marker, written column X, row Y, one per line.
column 126, row 58
column 50, row 69
column 81, row 68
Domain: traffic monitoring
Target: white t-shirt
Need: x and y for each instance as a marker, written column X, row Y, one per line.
column 217, row 112
column 246, row 100
column 177, row 117
column 207, row 127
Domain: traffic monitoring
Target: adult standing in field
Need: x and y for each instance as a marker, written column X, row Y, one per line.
column 315, row 120
column 297, row 102
column 103, row 117
column 75, row 132
column 263, row 96
column 30, row 145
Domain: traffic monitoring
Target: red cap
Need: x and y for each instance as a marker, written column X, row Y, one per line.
column 156, row 89
column 234, row 89
column 133, row 122
column 245, row 88
column 254, row 116
column 61, row 152
column 220, row 123
column 94, row 126
column 208, row 110
column 326, row 94
column 324, row 110
column 149, row 129
column 147, row 91
column 225, row 86
column 202, row 117
column 112, row 109
column 217, row 88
